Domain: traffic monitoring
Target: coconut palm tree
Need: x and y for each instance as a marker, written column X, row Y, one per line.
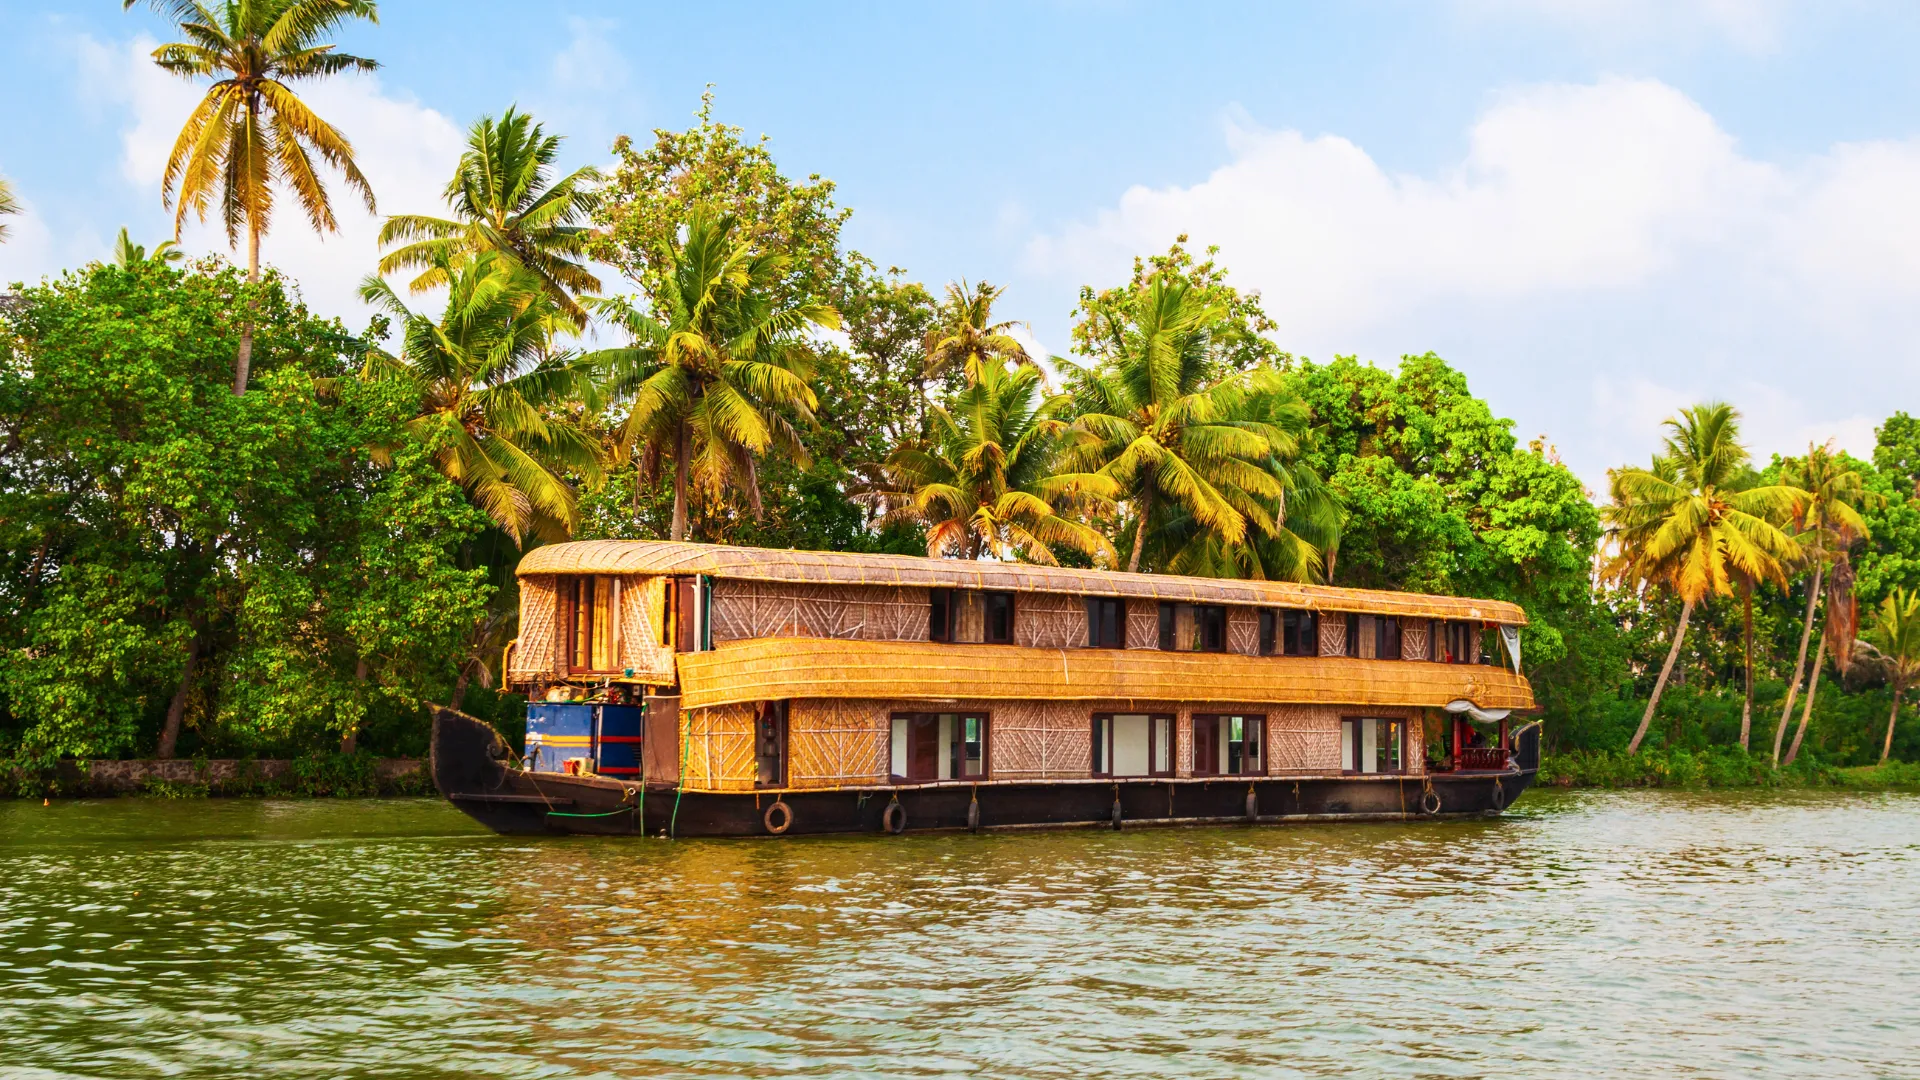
column 127, row 254
column 967, row 337
column 1168, row 438
column 505, row 199
column 8, row 206
column 720, row 375
column 498, row 405
column 985, row 481
column 1827, row 520
column 1684, row 525
column 1895, row 631
column 251, row 133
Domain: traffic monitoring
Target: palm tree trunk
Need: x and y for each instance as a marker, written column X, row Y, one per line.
column 753, row 489
column 1666, row 669
column 680, row 441
column 243, row 359
column 177, row 708
column 1746, row 710
column 1813, row 684
column 1140, row 533
column 1799, row 665
column 1886, row 747
column 460, row 682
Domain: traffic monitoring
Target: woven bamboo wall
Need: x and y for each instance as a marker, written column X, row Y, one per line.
column 1050, row 621
column 719, row 748
column 1333, row 636
column 832, row 743
column 1243, row 630
column 643, row 612
column 1413, row 639
column 533, row 657
column 1143, row 624
column 766, row 609
column 1303, row 739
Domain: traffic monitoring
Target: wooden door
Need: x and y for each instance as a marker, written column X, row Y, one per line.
column 1206, row 745
column 923, row 747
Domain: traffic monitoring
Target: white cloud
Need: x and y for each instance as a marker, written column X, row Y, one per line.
column 406, row 150
column 1601, row 255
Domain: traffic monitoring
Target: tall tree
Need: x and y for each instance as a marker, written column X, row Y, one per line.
column 967, row 338
column 720, row 373
column 1895, row 631
column 499, row 406
column 1683, row 525
column 251, row 132
column 8, row 207
column 986, row 484
column 1827, row 520
column 1159, row 422
column 506, row 200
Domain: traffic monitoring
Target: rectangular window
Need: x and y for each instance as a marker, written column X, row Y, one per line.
column 1458, row 643
column 1386, row 631
column 1353, row 634
column 770, row 749
column 1269, row 636
column 1228, row 745
column 999, row 618
column 594, row 641
column 939, row 746
column 940, row 615
column 1211, row 628
column 1193, row 627
column 1169, row 630
column 1372, row 745
column 1132, row 744
column 1300, row 633
column 692, row 599
column 1106, row 622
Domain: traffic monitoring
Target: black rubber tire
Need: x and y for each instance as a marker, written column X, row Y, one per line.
column 785, row 814
column 1253, row 806
column 1116, row 813
column 1430, row 803
column 1499, row 797
column 894, row 818
column 973, row 815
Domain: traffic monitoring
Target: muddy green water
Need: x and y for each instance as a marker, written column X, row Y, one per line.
column 1625, row 935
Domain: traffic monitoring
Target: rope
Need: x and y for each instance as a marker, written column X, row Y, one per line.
column 673, row 822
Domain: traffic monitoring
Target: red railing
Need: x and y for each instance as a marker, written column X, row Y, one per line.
column 1477, row 758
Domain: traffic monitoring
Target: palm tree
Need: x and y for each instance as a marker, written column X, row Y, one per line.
column 1896, row 633
column 504, row 201
column 967, row 337
column 715, row 375
column 127, row 254
column 8, row 205
column 251, row 132
column 1167, row 438
column 1828, row 516
column 984, row 482
column 497, row 404
column 1685, row 525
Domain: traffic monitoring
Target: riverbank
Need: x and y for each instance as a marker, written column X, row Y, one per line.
column 322, row 776
column 1728, row 767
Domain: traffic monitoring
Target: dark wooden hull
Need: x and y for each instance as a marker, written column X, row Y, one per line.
column 469, row 767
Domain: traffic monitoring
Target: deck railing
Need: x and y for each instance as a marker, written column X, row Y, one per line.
column 1477, row 758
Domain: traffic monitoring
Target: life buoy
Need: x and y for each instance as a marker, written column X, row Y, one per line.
column 894, row 818
column 778, row 818
column 1430, row 802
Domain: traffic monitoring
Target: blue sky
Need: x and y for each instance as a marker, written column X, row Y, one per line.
column 1601, row 210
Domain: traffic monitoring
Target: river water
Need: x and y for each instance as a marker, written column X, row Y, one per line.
column 1626, row 934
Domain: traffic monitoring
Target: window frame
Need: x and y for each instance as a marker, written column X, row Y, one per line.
column 1101, row 749
column 960, row 717
column 1349, row 767
column 1305, row 621
column 1097, row 607
column 1254, row 722
column 989, row 599
column 1203, row 616
column 582, row 635
column 940, row 612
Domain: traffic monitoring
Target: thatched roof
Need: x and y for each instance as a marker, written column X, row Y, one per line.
column 773, row 668
column 831, row 567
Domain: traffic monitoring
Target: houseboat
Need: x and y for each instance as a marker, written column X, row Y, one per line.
column 695, row 690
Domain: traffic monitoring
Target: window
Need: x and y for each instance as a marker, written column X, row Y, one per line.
column 1353, row 634
column 690, row 600
column 1106, row 622
column 1371, row 745
column 1300, row 633
column 1193, row 627
column 1132, row 744
column 939, row 746
column 1269, row 638
column 770, row 745
column 940, row 615
column 1228, row 745
column 594, row 647
column 999, row 618
column 1386, row 638
column 1457, row 644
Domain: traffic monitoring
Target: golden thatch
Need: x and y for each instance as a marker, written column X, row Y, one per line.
column 827, row 567
column 775, row 668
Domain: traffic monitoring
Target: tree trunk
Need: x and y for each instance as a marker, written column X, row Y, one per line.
column 1813, row 684
column 753, row 489
column 680, row 441
column 1666, row 669
column 243, row 359
column 1140, row 534
column 459, row 688
column 1799, row 665
column 1746, row 710
column 177, row 708
column 1886, row 748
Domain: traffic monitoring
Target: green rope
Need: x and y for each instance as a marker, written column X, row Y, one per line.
column 610, row 813
column 673, row 823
